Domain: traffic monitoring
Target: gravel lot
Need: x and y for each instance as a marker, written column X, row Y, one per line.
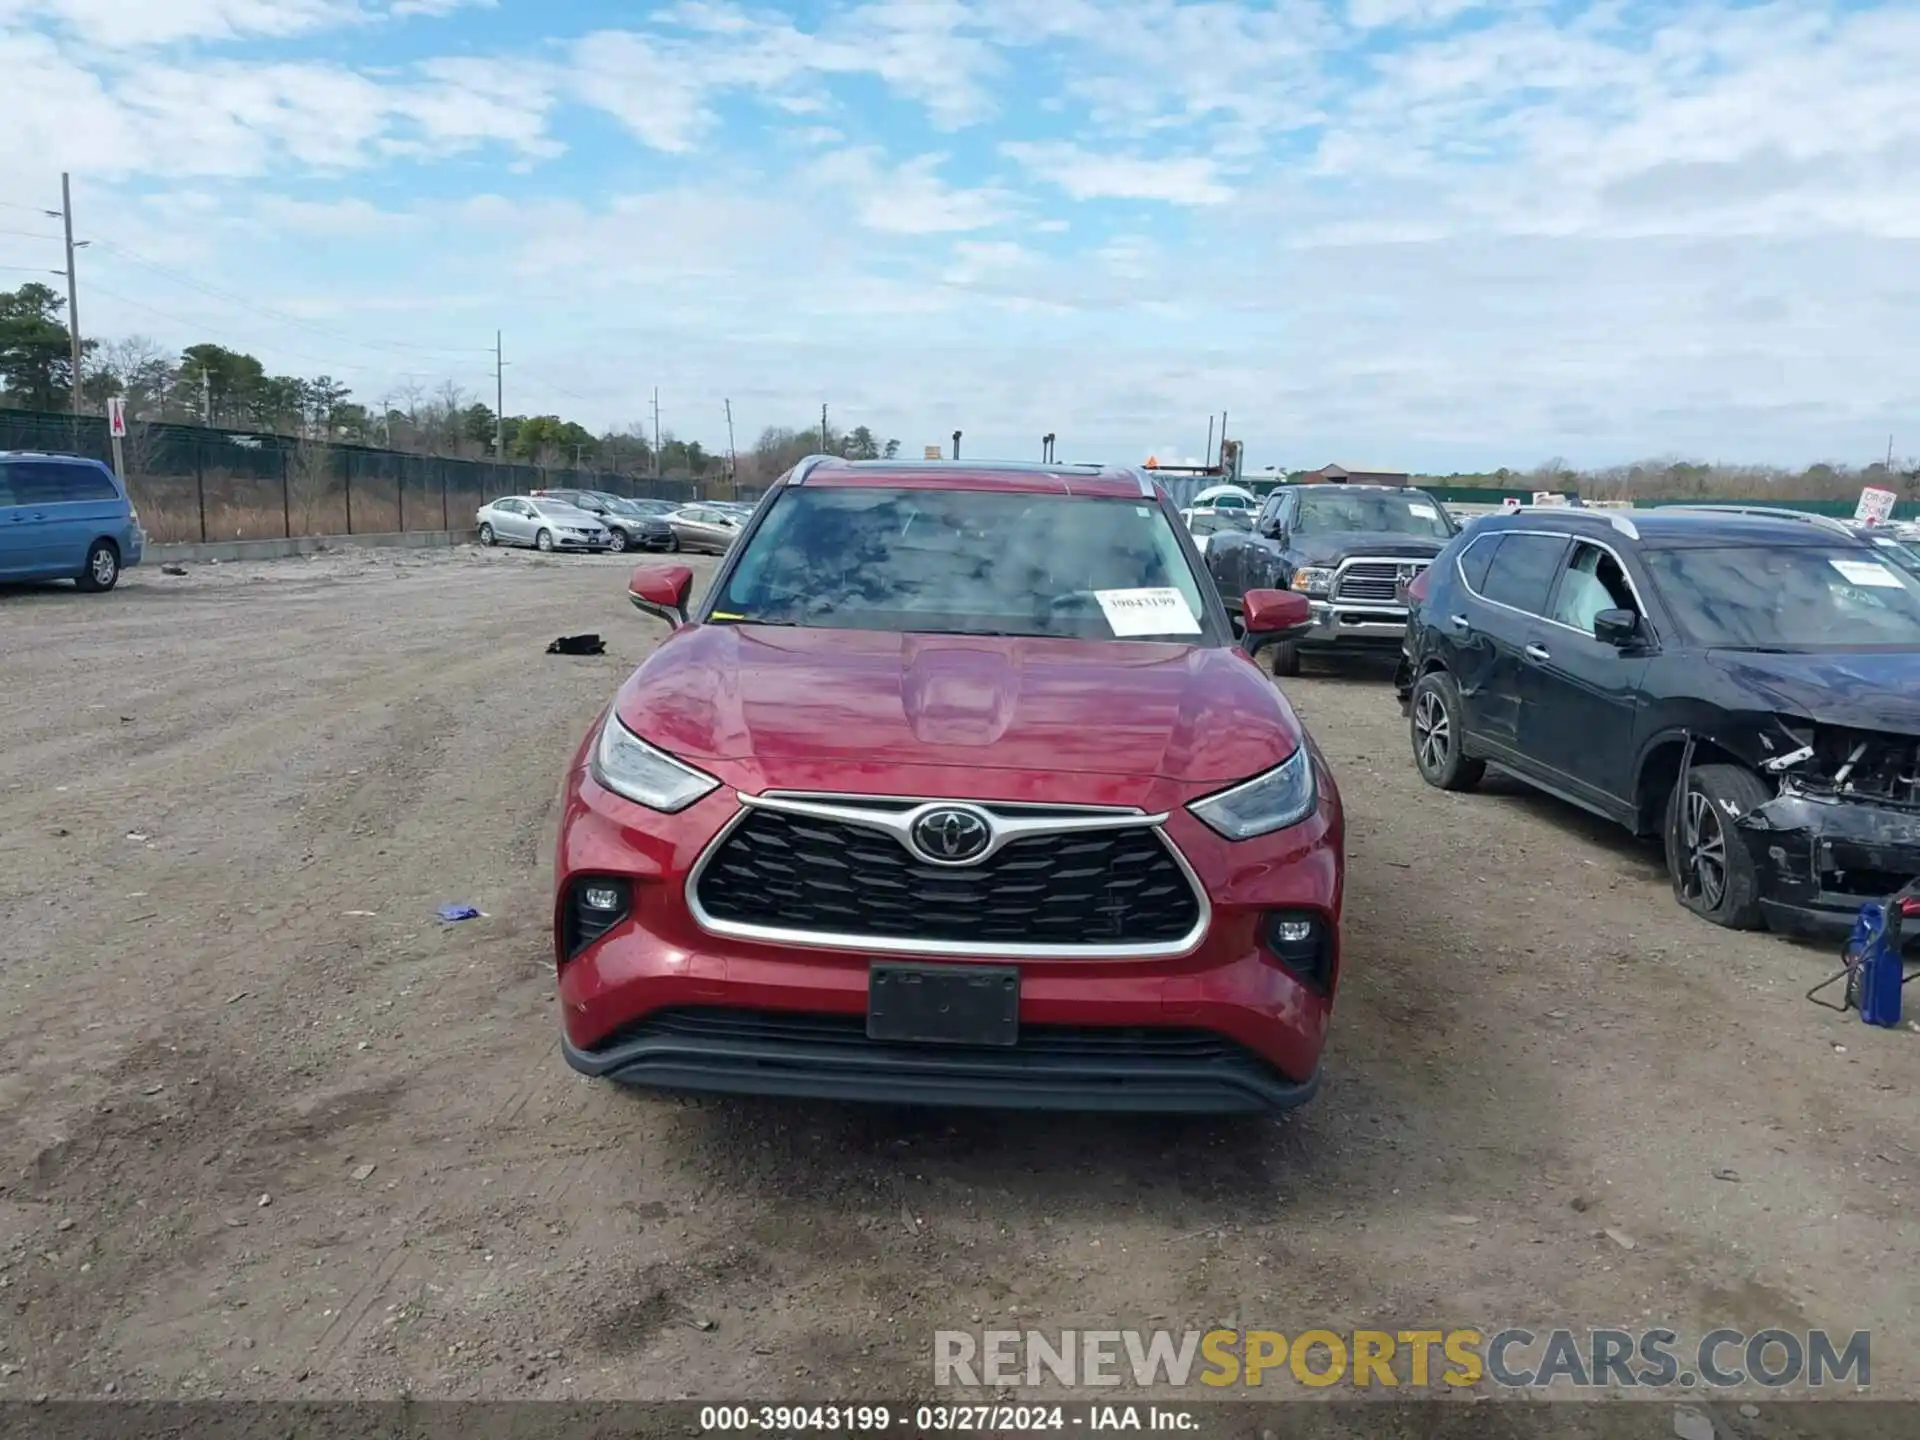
column 268, row 1128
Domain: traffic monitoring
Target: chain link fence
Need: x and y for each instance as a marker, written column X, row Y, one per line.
column 191, row 483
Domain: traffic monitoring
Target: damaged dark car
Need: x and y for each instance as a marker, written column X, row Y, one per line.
column 1745, row 687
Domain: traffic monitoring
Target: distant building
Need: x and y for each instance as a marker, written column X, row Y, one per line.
column 1339, row 474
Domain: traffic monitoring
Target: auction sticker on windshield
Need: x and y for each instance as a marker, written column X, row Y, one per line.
column 1868, row 572
column 1425, row 512
column 1159, row 611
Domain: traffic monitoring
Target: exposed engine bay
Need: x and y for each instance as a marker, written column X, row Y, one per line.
column 1845, row 826
column 1852, row 764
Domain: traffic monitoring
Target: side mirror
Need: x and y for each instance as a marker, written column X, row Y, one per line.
column 662, row 590
column 1271, row 615
column 1618, row 628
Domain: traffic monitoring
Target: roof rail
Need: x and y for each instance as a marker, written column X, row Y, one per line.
column 806, row 466
column 1771, row 512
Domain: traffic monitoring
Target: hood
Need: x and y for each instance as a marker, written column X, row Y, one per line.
column 1858, row 689
column 1338, row 545
column 791, row 699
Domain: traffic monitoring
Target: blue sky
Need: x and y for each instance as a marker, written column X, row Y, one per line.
column 1432, row 234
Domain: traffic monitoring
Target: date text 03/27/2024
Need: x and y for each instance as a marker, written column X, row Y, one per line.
column 940, row 1419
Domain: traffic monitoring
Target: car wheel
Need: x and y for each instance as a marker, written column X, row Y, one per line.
column 1713, row 874
column 102, row 570
column 673, row 544
column 1286, row 658
column 544, row 541
column 1436, row 730
column 617, row 541
column 486, row 534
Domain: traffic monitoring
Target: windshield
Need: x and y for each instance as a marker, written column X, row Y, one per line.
column 1204, row 524
column 1788, row 598
column 637, row 508
column 961, row 562
column 1325, row 510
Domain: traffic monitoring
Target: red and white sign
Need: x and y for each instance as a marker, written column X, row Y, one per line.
column 116, row 416
column 1875, row 507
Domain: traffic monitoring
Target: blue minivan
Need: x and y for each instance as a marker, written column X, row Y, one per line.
column 65, row 518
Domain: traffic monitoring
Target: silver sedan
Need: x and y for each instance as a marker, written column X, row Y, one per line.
column 542, row 523
column 705, row 527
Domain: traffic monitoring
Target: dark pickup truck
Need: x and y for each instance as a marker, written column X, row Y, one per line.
column 1348, row 548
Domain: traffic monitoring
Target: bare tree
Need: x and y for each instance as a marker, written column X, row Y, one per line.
column 309, row 485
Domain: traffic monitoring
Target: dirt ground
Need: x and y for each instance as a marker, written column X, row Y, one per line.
column 268, row 1128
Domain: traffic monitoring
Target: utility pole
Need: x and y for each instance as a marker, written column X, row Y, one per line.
column 733, row 459
column 656, row 432
column 206, row 396
column 73, row 297
column 956, row 444
column 1209, row 459
column 499, row 402
column 823, row 429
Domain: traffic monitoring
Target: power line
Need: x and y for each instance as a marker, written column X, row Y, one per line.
column 330, row 333
column 327, row 360
column 31, row 235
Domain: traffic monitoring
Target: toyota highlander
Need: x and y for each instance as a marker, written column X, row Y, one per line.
column 955, row 787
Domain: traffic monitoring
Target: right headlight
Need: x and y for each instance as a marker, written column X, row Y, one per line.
column 627, row 765
column 1271, row 800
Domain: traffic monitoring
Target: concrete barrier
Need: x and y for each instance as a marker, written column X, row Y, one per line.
column 302, row 545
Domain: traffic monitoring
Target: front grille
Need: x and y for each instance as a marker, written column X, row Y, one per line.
column 1093, row 888
column 1374, row 580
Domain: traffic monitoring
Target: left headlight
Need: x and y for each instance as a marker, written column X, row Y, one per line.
column 627, row 765
column 1312, row 580
column 1272, row 800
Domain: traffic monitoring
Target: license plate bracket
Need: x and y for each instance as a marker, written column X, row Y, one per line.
column 944, row 1004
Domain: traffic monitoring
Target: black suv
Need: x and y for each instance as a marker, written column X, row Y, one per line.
column 634, row 524
column 1747, row 687
column 1350, row 549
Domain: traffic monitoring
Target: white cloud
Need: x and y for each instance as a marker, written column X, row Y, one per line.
column 910, row 199
column 1418, row 231
column 1186, row 180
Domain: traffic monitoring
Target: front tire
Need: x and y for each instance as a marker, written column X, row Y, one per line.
column 544, row 541
column 1435, row 725
column 102, row 570
column 1712, row 873
column 617, row 541
column 673, row 545
column 486, row 535
column 1286, row 658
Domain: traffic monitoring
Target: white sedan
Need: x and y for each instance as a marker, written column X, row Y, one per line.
column 542, row 523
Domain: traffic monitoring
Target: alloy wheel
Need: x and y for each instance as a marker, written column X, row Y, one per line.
column 1432, row 732
column 1706, row 847
column 105, row 567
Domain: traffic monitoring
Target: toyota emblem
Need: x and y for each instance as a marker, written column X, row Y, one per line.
column 952, row 836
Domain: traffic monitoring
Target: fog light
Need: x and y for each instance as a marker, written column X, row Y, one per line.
column 1303, row 944
column 595, row 904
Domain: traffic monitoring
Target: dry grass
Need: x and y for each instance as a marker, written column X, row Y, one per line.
column 244, row 508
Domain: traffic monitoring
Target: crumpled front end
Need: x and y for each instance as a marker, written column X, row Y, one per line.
column 1844, row 829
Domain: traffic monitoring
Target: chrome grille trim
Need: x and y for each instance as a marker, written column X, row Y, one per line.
column 1379, row 586
column 894, row 821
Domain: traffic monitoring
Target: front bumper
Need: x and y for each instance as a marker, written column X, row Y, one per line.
column 829, row 1057
column 1338, row 625
column 1820, row 859
column 581, row 542
column 660, row 1002
column 653, row 540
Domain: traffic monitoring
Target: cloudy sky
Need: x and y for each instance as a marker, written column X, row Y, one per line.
column 1431, row 234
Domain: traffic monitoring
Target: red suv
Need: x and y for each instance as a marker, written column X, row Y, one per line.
column 954, row 788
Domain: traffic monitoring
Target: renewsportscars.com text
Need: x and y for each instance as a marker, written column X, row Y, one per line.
column 1513, row 1358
